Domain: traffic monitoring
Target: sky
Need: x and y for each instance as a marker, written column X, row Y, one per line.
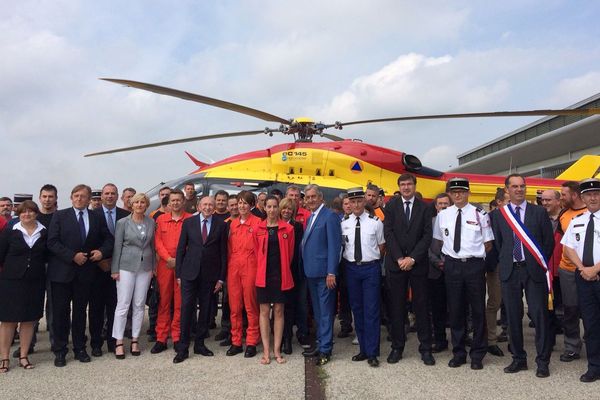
column 333, row 60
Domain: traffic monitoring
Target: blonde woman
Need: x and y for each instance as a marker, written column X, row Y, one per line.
column 132, row 267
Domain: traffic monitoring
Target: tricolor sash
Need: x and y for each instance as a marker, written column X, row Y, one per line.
column 529, row 243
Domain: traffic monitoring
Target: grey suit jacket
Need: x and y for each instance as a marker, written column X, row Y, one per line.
column 133, row 252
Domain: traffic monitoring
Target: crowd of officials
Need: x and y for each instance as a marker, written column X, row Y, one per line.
column 275, row 261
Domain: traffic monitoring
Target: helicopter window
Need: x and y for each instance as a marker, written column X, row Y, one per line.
column 331, row 172
column 318, row 172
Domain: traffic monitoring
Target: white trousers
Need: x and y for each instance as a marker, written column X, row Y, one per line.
column 131, row 285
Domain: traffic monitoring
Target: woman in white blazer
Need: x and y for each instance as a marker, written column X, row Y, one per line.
column 132, row 267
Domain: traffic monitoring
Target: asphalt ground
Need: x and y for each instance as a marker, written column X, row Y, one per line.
column 220, row 377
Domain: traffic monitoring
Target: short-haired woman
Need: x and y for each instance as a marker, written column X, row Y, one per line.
column 22, row 281
column 132, row 267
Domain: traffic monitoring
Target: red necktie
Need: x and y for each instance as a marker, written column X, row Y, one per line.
column 204, row 231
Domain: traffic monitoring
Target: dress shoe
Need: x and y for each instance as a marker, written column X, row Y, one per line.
column 203, row 351
column 589, row 377
column 221, row 336
column 439, row 347
column 427, row 358
column 456, row 362
column 303, row 341
column 311, row 352
column 180, row 357
column 516, row 366
column 110, row 347
column 250, row 351
column 569, row 356
column 495, row 351
column 286, row 346
column 59, row 360
column 542, row 371
column 17, row 352
column 225, row 342
column 394, row 356
column 158, row 347
column 83, row 356
column 344, row 333
column 359, row 357
column 233, row 350
column 476, row 365
column 373, row 362
column 96, row 352
column 322, row 359
column 132, row 351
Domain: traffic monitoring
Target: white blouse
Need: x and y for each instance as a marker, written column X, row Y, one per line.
column 30, row 240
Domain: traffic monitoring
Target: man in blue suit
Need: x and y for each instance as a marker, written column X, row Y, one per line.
column 321, row 249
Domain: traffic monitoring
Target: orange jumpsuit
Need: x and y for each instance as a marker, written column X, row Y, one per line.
column 241, row 278
column 166, row 239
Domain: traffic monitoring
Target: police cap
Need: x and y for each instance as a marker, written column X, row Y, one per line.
column 19, row 198
column 458, row 183
column 96, row 193
column 588, row 185
column 355, row 192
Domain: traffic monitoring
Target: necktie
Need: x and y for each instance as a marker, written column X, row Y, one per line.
column 588, row 245
column 517, row 251
column 81, row 227
column 357, row 246
column 111, row 223
column 204, row 231
column 457, row 231
column 407, row 211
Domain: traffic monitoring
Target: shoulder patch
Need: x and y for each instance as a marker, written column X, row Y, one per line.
column 346, row 217
column 376, row 218
column 481, row 210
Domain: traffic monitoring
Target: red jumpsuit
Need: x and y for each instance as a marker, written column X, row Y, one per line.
column 241, row 277
column 166, row 239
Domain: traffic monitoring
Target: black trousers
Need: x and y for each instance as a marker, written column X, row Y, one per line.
column 103, row 302
column 465, row 289
column 588, row 293
column 344, row 311
column 397, row 289
column 193, row 292
column 77, row 293
column 152, row 301
column 439, row 309
column 536, row 294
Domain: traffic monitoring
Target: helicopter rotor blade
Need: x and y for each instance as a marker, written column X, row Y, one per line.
column 183, row 140
column 200, row 99
column 332, row 137
column 583, row 111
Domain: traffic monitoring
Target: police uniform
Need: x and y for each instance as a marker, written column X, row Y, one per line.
column 585, row 240
column 463, row 233
column 363, row 277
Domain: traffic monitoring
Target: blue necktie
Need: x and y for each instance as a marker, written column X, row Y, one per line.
column 81, row 227
column 111, row 223
column 517, row 253
column 407, row 211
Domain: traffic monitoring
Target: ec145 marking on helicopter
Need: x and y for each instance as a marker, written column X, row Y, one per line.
column 342, row 163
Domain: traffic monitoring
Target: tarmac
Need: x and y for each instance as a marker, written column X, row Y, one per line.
column 151, row 376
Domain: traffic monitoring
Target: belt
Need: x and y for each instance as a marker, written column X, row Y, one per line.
column 465, row 259
column 519, row 264
column 359, row 263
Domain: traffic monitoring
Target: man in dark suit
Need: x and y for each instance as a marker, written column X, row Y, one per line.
column 407, row 229
column 77, row 240
column 104, row 290
column 321, row 251
column 520, row 271
column 200, row 269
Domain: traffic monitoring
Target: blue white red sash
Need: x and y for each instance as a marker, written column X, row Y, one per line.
column 528, row 241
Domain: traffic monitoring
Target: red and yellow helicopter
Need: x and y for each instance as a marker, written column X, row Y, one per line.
column 336, row 165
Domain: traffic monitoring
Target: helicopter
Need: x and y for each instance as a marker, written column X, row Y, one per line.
column 336, row 165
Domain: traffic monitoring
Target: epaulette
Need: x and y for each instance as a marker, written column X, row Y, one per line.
column 376, row 218
column 579, row 215
column 346, row 217
column 481, row 210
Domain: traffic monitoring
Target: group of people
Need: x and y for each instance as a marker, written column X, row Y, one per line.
column 266, row 256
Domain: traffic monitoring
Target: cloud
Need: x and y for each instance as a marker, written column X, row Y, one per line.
column 440, row 157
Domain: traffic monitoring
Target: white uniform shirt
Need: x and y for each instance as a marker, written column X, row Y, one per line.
column 475, row 231
column 371, row 236
column 574, row 237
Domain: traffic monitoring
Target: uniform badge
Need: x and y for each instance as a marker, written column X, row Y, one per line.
column 446, row 232
column 285, row 235
column 249, row 230
column 577, row 237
